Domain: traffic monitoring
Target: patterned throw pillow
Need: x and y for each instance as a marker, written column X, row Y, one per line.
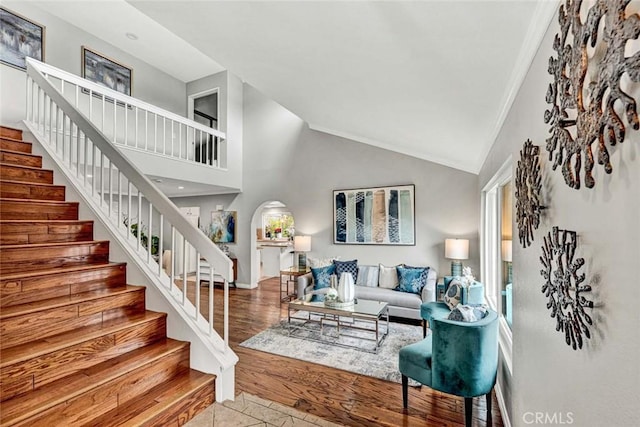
column 320, row 262
column 322, row 279
column 453, row 296
column 411, row 280
column 469, row 313
column 388, row 277
column 368, row 276
column 347, row 267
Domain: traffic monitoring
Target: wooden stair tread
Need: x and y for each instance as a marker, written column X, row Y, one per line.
column 43, row 184
column 49, row 245
column 25, row 406
column 33, row 168
column 47, row 202
column 144, row 410
column 53, row 343
column 58, row 270
column 6, row 150
column 8, row 138
column 32, row 307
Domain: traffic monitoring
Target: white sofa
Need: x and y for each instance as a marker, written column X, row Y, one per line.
column 401, row 304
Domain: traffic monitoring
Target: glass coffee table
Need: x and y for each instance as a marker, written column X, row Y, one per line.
column 363, row 325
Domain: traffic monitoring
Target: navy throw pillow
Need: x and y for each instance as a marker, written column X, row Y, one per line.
column 347, row 267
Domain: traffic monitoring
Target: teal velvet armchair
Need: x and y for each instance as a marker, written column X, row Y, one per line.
column 458, row 358
column 474, row 294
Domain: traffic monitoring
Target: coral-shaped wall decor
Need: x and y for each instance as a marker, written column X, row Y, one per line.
column 564, row 286
column 528, row 185
column 586, row 90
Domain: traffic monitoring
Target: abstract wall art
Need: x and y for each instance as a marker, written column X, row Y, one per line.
column 588, row 104
column 223, row 226
column 528, row 185
column 375, row 216
column 107, row 72
column 564, row 286
column 19, row 38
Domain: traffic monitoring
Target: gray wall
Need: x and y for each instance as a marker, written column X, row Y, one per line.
column 284, row 160
column 598, row 384
column 63, row 43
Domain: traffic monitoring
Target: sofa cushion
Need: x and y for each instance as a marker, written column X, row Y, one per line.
column 368, row 275
column 320, row 262
column 347, row 267
column 397, row 299
column 388, row 277
column 412, row 279
column 321, row 279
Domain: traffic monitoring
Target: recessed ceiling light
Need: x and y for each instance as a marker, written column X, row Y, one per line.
column 131, row 36
column 180, row 187
column 157, row 180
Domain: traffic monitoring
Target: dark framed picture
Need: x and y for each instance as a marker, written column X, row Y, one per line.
column 105, row 71
column 375, row 216
column 19, row 38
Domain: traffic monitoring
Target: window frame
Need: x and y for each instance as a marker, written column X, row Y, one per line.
column 490, row 255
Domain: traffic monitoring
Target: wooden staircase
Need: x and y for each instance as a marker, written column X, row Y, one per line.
column 77, row 346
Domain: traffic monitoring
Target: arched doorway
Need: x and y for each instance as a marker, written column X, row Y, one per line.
column 272, row 230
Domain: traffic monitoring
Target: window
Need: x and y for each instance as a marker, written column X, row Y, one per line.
column 497, row 207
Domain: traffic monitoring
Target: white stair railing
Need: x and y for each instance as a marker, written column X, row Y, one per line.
column 134, row 124
column 129, row 203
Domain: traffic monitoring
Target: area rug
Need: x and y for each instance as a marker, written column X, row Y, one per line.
column 383, row 365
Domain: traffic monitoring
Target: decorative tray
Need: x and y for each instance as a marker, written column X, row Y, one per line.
column 337, row 304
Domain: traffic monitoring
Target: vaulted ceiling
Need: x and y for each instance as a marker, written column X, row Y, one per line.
column 432, row 79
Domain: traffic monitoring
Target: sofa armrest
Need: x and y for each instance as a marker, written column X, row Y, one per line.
column 429, row 290
column 304, row 284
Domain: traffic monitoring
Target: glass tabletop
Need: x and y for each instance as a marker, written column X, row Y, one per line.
column 361, row 306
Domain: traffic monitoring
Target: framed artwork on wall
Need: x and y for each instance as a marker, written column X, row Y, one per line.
column 99, row 69
column 375, row 216
column 19, row 38
column 223, row 226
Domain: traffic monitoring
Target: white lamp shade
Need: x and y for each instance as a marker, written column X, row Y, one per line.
column 302, row 243
column 506, row 250
column 456, row 248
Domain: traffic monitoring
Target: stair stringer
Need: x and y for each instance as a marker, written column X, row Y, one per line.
column 209, row 354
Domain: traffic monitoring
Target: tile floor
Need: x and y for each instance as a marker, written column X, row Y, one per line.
column 248, row 410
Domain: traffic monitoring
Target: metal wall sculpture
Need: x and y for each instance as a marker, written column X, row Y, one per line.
column 563, row 286
column 528, row 185
column 585, row 89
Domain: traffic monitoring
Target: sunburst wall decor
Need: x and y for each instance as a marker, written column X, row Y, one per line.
column 563, row 286
column 586, row 89
column 528, row 185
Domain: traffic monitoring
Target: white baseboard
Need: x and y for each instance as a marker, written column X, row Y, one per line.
column 245, row 286
column 503, row 407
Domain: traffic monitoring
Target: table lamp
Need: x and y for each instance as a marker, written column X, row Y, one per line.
column 456, row 250
column 302, row 244
column 507, row 257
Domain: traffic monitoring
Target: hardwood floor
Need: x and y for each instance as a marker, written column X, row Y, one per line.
column 338, row 396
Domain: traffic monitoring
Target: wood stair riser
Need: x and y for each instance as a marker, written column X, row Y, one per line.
column 11, row 209
column 31, row 289
column 8, row 132
column 23, row 328
column 14, row 145
column 21, row 159
column 32, row 257
column 26, row 190
column 83, row 409
column 184, row 411
column 28, row 375
column 24, row 174
column 19, row 233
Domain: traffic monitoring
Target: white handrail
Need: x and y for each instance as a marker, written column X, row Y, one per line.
column 166, row 128
column 108, row 181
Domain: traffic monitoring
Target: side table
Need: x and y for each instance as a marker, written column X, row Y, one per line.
column 287, row 277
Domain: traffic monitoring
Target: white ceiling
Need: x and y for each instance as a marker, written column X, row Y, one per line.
column 431, row 79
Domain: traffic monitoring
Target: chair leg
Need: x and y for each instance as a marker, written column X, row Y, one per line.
column 405, row 391
column 468, row 408
column 489, row 420
column 424, row 328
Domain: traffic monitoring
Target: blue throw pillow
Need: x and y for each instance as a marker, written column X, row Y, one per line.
column 411, row 280
column 347, row 267
column 322, row 279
